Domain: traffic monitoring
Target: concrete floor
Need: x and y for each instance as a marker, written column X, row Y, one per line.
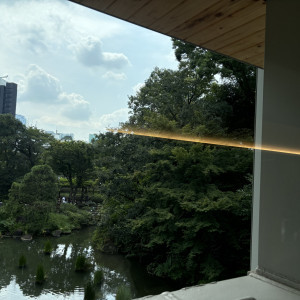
column 251, row 287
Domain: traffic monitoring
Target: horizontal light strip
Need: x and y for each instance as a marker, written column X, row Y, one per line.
column 206, row 140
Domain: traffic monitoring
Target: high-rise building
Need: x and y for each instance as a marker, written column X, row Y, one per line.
column 61, row 136
column 21, row 118
column 8, row 97
column 91, row 137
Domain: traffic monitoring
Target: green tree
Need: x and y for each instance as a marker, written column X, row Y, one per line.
column 12, row 164
column 33, row 143
column 179, row 209
column 20, row 150
column 170, row 100
column 73, row 160
column 33, row 199
column 182, row 208
column 235, row 90
column 118, row 157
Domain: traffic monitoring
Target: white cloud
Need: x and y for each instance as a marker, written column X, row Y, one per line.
column 114, row 76
column 94, row 125
column 112, row 120
column 89, row 52
column 115, row 60
column 75, row 107
column 58, row 92
column 48, row 103
column 171, row 58
column 39, row 86
column 137, row 87
column 48, row 26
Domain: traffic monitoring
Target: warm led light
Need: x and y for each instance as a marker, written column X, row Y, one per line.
column 206, row 140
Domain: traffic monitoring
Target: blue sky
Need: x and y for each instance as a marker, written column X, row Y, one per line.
column 75, row 67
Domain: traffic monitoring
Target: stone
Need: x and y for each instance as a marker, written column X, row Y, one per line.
column 26, row 237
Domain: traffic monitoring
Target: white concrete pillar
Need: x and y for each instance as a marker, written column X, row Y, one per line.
column 257, row 168
column 276, row 214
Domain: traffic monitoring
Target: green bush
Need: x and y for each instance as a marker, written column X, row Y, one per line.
column 40, row 275
column 81, row 263
column 77, row 217
column 22, row 261
column 123, row 293
column 47, row 248
column 68, row 207
column 98, row 277
column 97, row 197
column 89, row 292
column 63, row 182
column 8, row 224
column 59, row 221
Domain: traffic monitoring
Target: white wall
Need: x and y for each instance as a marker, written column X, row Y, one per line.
column 276, row 219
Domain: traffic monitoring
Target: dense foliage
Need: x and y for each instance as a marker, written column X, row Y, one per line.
column 32, row 200
column 183, row 209
column 20, row 150
column 73, row 160
column 29, row 188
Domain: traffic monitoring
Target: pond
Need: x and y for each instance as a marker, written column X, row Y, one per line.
column 62, row 281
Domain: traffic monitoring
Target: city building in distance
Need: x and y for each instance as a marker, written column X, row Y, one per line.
column 61, row 136
column 91, row 137
column 8, row 97
column 21, row 118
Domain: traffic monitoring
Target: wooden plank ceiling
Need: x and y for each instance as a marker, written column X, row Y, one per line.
column 232, row 27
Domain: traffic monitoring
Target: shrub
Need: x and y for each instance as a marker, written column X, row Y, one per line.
column 89, row 292
column 81, row 263
column 60, row 221
column 123, row 293
column 47, row 248
column 97, row 197
column 40, row 275
column 98, row 277
column 7, row 224
column 22, row 261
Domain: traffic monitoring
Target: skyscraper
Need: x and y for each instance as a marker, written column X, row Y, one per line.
column 21, row 118
column 8, row 97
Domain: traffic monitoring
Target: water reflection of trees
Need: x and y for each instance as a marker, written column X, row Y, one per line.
column 59, row 266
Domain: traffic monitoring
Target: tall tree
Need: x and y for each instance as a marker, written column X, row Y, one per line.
column 235, row 90
column 170, row 100
column 185, row 211
column 73, row 160
column 31, row 200
column 20, row 150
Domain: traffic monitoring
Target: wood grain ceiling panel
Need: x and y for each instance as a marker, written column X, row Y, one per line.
column 230, row 27
column 206, row 19
column 233, row 35
column 256, row 60
column 181, row 14
column 126, row 8
column 247, row 53
column 95, row 4
column 244, row 43
column 154, row 11
column 233, row 20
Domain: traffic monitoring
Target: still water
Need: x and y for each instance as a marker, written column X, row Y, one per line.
column 62, row 281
